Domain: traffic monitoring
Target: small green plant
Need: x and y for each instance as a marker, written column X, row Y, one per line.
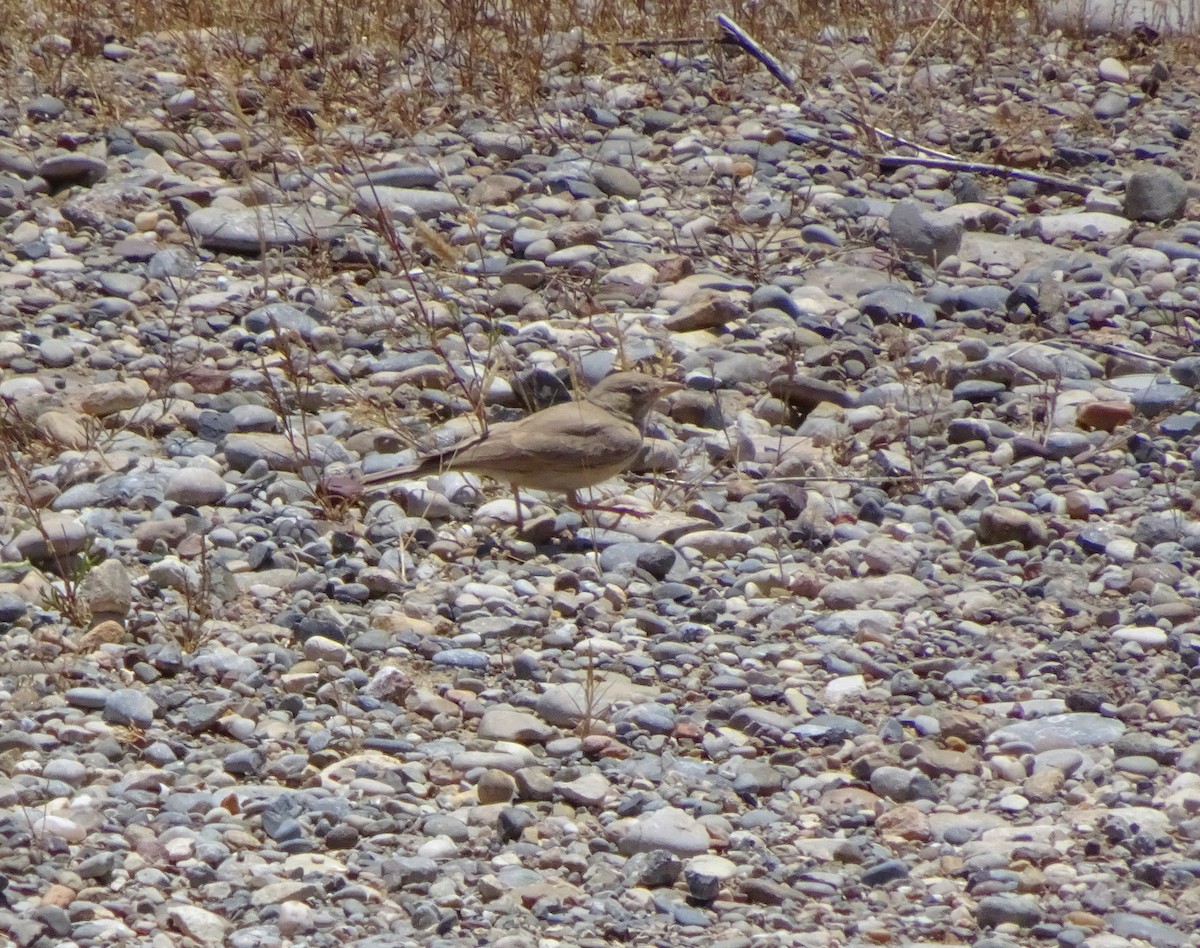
column 65, row 599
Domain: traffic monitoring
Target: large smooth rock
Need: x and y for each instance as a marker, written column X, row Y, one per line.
column 268, row 227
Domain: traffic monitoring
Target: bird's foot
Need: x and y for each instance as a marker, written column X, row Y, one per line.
column 616, row 509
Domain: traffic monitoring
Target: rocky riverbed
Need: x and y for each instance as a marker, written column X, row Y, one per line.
column 902, row 650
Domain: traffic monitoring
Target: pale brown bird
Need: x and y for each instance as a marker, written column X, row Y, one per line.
column 564, row 447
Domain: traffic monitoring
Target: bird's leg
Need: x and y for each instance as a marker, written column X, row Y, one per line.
column 577, row 504
column 520, row 512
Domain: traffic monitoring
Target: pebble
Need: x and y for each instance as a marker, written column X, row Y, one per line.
column 1062, row 731
column 924, row 233
column 54, row 537
column 495, row 786
column 129, row 706
column 1155, row 195
column 669, row 829
column 252, row 230
column 1112, row 70
column 507, row 724
column 1022, row 911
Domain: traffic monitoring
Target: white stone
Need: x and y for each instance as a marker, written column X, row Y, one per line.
column 1112, row 70
column 1121, row 550
column 1147, row 636
column 845, row 687
column 199, row 924
column 709, row 864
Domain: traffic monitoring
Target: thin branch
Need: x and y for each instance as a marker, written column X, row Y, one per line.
column 892, row 137
column 804, row 136
column 649, row 43
column 891, row 162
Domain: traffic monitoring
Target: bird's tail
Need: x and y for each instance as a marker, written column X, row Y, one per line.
column 422, row 467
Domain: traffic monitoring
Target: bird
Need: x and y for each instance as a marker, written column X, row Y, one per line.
column 565, row 447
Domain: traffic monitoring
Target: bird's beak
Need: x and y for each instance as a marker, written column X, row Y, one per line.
column 666, row 387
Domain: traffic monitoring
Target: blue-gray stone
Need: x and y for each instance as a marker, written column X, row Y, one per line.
column 884, row 872
column 130, row 707
column 285, row 316
column 895, row 305
column 1020, row 910
column 91, row 698
column 462, row 658
column 399, row 176
column 1149, row 930
column 12, row 608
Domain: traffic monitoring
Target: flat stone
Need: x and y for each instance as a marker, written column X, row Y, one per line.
column 617, row 182
column 590, row 790
column 507, row 724
column 58, row 537
column 405, row 204
column 253, row 230
column 666, row 828
column 130, row 706
column 1020, row 910
column 73, row 168
column 1073, row 730
column 199, row 924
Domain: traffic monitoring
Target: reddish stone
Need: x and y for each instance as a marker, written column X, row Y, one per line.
column 1104, row 416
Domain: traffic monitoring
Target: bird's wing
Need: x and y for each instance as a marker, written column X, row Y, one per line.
column 575, row 434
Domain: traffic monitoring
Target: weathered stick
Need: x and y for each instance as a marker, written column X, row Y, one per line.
column 931, row 159
column 802, row 136
column 892, row 137
column 649, row 43
column 743, row 39
column 891, row 162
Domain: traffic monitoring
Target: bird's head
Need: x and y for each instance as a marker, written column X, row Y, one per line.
column 631, row 395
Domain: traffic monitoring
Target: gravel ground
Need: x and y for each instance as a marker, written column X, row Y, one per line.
column 902, row 651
